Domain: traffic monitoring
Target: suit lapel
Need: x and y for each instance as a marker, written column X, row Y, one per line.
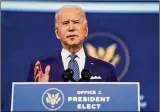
column 89, row 64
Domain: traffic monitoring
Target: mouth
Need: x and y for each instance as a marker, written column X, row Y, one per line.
column 70, row 36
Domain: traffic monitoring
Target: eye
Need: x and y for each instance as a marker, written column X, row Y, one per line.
column 65, row 23
column 76, row 22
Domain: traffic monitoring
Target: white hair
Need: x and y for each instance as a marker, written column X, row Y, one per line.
column 69, row 6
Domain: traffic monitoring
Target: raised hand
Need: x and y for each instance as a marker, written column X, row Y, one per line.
column 39, row 75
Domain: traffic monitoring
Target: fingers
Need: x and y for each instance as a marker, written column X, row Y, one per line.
column 47, row 70
column 39, row 76
column 37, row 68
column 37, row 71
column 44, row 77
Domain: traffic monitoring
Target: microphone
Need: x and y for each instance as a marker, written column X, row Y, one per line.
column 68, row 75
column 85, row 75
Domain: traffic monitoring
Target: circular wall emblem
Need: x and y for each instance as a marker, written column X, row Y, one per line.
column 53, row 99
column 109, row 48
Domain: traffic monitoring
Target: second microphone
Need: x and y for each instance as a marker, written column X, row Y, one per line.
column 68, row 75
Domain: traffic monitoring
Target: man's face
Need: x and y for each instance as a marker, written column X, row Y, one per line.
column 71, row 29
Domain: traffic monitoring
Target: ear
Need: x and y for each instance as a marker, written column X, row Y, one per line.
column 86, row 29
column 56, row 32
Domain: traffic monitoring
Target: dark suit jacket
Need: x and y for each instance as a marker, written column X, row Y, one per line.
column 97, row 67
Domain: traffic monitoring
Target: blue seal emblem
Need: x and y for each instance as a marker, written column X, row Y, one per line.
column 53, row 99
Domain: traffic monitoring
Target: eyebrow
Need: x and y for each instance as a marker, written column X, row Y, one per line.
column 75, row 20
column 71, row 20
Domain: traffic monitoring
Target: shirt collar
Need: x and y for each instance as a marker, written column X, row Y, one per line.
column 65, row 54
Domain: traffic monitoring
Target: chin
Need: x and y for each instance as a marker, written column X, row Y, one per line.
column 73, row 45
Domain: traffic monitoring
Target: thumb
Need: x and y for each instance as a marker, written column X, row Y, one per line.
column 47, row 70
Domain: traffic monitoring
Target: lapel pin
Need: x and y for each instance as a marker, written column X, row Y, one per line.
column 92, row 63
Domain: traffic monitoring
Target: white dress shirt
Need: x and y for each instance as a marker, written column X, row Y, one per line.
column 80, row 59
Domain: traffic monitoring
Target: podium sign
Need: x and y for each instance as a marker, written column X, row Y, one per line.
column 75, row 96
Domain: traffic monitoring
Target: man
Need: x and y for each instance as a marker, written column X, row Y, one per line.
column 71, row 29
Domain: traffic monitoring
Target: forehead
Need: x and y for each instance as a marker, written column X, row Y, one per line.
column 70, row 14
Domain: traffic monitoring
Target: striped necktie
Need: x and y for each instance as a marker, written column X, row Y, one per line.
column 74, row 66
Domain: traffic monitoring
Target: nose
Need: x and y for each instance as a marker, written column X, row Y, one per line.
column 71, row 27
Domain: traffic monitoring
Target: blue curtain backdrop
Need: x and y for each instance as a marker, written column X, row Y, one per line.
column 132, row 39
